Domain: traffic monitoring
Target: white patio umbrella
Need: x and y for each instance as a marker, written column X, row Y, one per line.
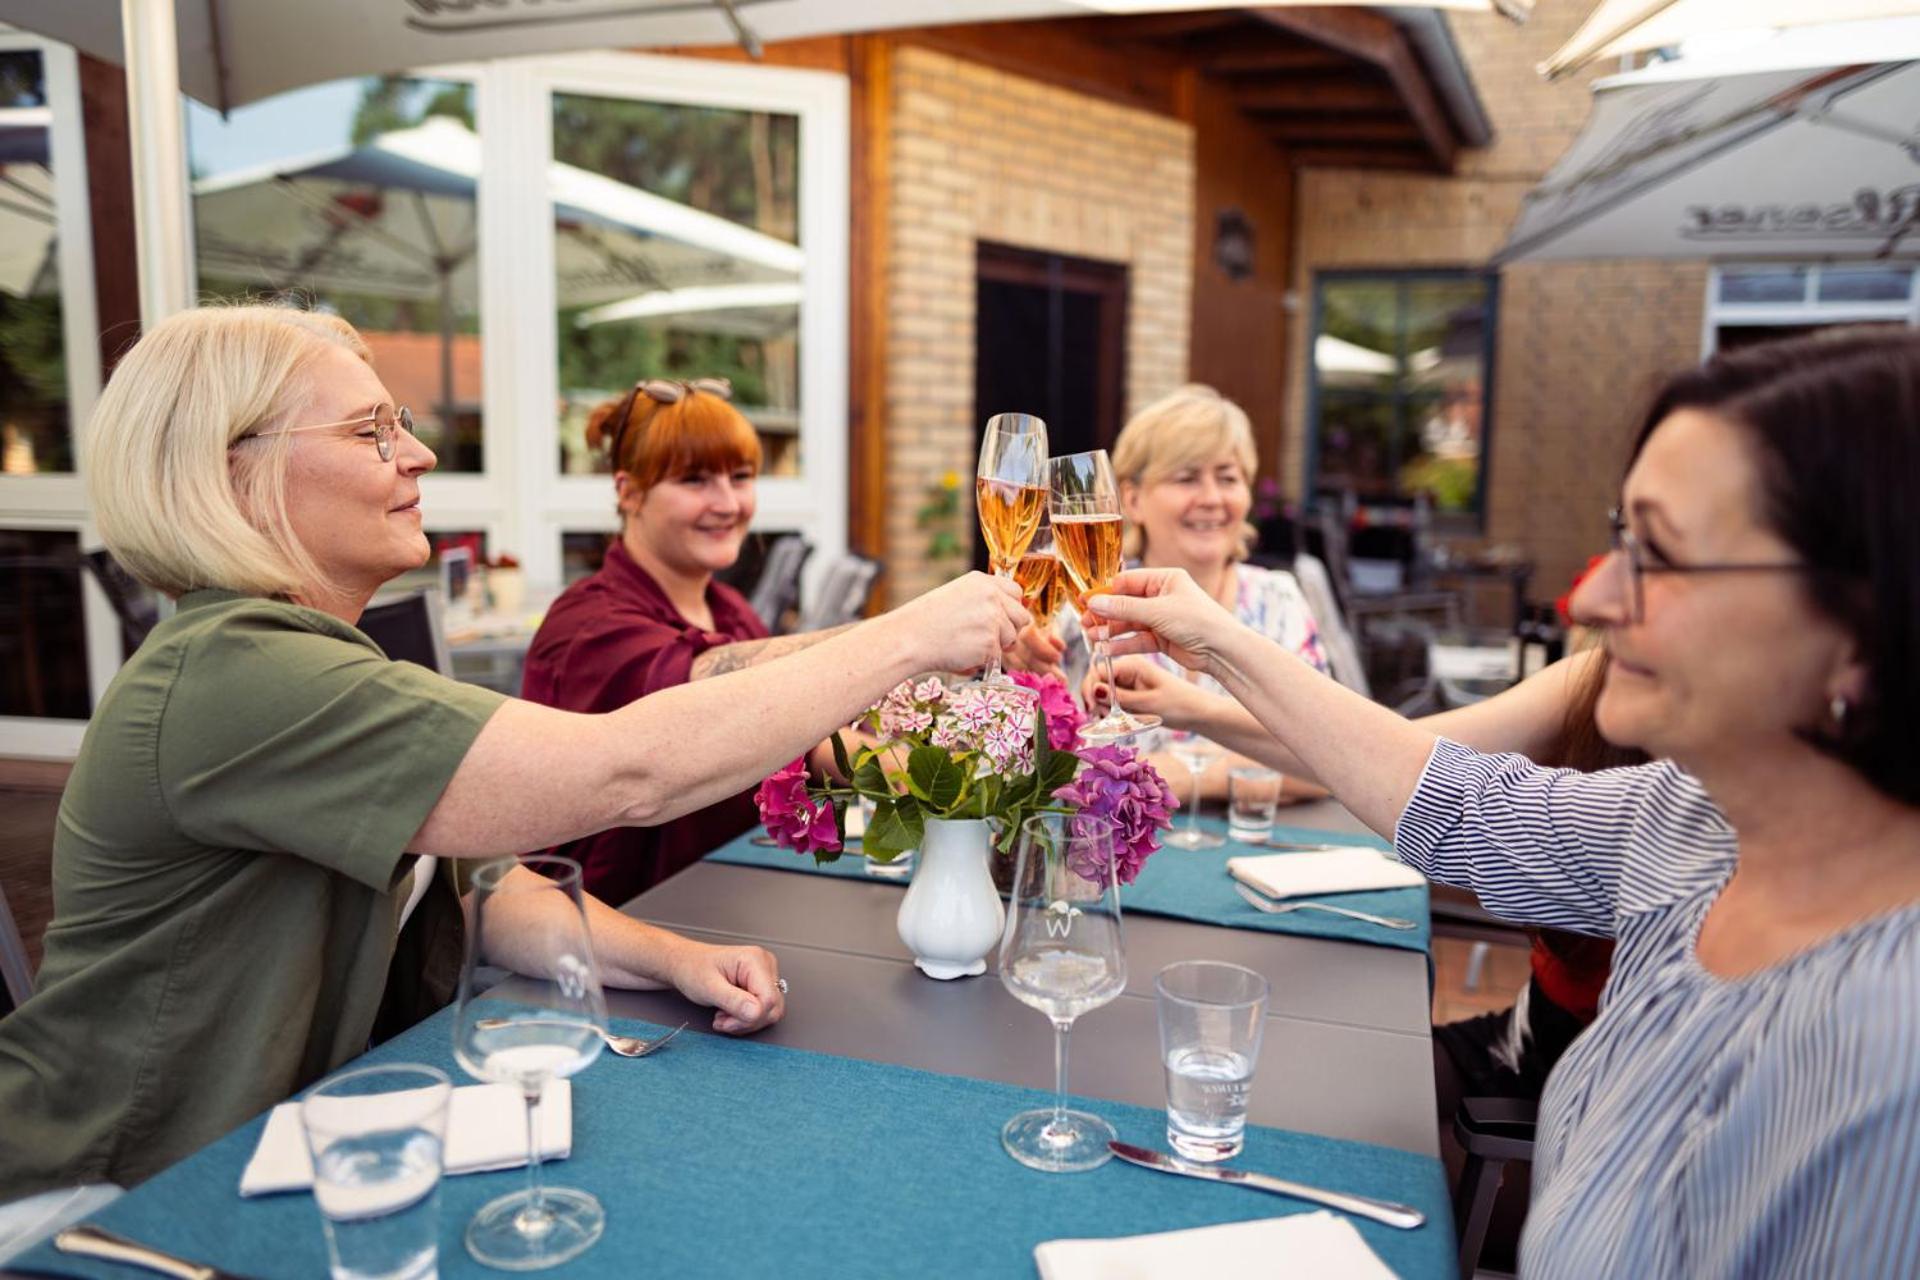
column 226, row 54
column 1618, row 27
column 1795, row 162
column 26, row 202
column 396, row 218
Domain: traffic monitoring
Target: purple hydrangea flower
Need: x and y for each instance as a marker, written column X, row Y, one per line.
column 1117, row 783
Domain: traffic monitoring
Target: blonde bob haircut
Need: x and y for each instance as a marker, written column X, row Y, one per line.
column 1193, row 427
column 175, row 502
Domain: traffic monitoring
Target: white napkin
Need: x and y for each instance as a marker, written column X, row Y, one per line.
column 486, row 1129
column 1317, row 1245
column 1299, row 875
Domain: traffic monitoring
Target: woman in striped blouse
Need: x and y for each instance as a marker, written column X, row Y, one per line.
column 1748, row 1101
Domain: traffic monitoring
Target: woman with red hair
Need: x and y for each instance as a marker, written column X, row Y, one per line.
column 684, row 466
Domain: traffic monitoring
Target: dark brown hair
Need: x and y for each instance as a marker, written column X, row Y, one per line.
column 1834, row 425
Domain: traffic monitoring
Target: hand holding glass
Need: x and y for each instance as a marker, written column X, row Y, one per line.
column 1062, row 954
column 1084, row 503
column 1010, row 495
column 525, row 1032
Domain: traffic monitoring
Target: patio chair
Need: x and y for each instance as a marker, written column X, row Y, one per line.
column 133, row 604
column 1494, row 1132
column 1336, row 637
column 778, row 589
column 843, row 593
column 15, row 968
column 409, row 628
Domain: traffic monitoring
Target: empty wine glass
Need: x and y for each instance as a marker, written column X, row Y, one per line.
column 524, row 1032
column 1062, row 954
column 1010, row 496
column 1084, row 503
column 1197, row 754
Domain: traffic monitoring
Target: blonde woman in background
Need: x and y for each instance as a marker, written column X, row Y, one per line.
column 1185, row 465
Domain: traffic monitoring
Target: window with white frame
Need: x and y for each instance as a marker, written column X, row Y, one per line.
column 1758, row 302
column 59, row 642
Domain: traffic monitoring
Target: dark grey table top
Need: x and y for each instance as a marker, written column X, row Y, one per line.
column 1346, row 1050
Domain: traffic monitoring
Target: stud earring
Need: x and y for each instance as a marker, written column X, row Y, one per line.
column 1838, row 709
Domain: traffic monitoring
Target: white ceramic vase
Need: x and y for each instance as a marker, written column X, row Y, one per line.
column 952, row 914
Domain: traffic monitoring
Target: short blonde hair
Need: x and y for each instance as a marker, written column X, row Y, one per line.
column 173, row 504
column 1190, row 427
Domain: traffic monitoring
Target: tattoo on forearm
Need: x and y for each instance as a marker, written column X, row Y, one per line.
column 749, row 653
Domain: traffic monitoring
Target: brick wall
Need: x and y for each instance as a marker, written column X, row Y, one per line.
column 1579, row 345
column 979, row 154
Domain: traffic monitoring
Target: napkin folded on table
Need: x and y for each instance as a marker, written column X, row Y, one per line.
column 486, row 1129
column 1318, row 1245
column 1293, row 875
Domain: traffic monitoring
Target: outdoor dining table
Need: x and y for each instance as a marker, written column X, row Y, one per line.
column 860, row 1135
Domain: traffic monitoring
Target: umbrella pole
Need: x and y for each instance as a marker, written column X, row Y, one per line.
column 446, row 354
column 163, row 234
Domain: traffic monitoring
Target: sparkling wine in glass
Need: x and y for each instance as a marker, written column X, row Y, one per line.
column 1062, row 954
column 1041, row 579
column 1084, row 504
column 526, row 1031
column 1196, row 754
column 1010, row 493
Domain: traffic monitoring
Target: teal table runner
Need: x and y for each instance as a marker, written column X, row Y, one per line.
column 721, row 1157
column 1188, row 884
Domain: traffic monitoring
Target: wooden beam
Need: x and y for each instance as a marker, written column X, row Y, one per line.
column 1162, row 26
column 116, row 276
column 870, row 80
column 1347, row 93
column 1336, row 129
column 1060, row 53
column 1416, row 159
column 1378, row 40
column 1305, row 59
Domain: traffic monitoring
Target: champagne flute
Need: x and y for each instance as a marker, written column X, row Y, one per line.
column 1039, row 575
column 1062, row 954
column 1010, row 494
column 1084, row 503
column 525, row 1032
column 1196, row 753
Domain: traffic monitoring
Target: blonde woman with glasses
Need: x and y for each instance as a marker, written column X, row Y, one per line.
column 253, row 865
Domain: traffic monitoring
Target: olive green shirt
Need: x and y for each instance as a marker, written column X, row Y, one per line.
column 228, row 874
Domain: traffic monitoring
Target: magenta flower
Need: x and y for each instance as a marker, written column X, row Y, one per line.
column 793, row 819
column 1117, row 783
column 1064, row 717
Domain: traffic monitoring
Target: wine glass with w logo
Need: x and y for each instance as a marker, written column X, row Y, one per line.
column 1062, row 954
column 1010, row 495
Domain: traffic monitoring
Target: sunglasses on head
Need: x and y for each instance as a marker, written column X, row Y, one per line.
column 662, row 391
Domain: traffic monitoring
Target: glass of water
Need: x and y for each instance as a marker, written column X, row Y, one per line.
column 1062, row 954
column 1253, row 793
column 1211, row 1014
column 376, row 1136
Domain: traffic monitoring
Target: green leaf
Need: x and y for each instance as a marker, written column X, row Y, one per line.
column 934, row 778
column 869, row 777
column 1056, row 773
column 897, row 826
column 840, row 760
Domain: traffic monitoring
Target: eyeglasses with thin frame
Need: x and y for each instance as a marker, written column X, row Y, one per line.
column 387, row 422
column 662, row 391
column 1640, row 562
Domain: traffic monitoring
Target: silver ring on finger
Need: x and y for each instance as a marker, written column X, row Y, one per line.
column 782, row 984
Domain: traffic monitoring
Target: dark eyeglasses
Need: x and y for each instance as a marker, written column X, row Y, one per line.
column 662, row 391
column 1635, row 553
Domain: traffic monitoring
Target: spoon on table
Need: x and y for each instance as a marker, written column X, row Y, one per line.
column 624, row 1046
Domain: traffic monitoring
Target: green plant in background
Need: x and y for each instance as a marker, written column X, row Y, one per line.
column 939, row 514
column 1449, row 481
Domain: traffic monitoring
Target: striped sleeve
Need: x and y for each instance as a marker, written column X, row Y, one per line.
column 1537, row 846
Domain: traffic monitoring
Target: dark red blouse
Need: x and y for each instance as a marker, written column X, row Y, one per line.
column 611, row 639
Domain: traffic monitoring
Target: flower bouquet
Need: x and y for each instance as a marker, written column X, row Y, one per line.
column 971, row 753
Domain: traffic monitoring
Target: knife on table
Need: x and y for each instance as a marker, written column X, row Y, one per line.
column 92, row 1242
column 1404, row 1216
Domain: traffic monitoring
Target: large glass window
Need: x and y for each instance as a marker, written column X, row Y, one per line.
column 359, row 197
column 43, row 648
column 1749, row 303
column 1401, row 367
column 36, row 436
column 677, row 255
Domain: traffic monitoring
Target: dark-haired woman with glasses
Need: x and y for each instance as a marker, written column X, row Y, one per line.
column 684, row 467
column 1747, row 1102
